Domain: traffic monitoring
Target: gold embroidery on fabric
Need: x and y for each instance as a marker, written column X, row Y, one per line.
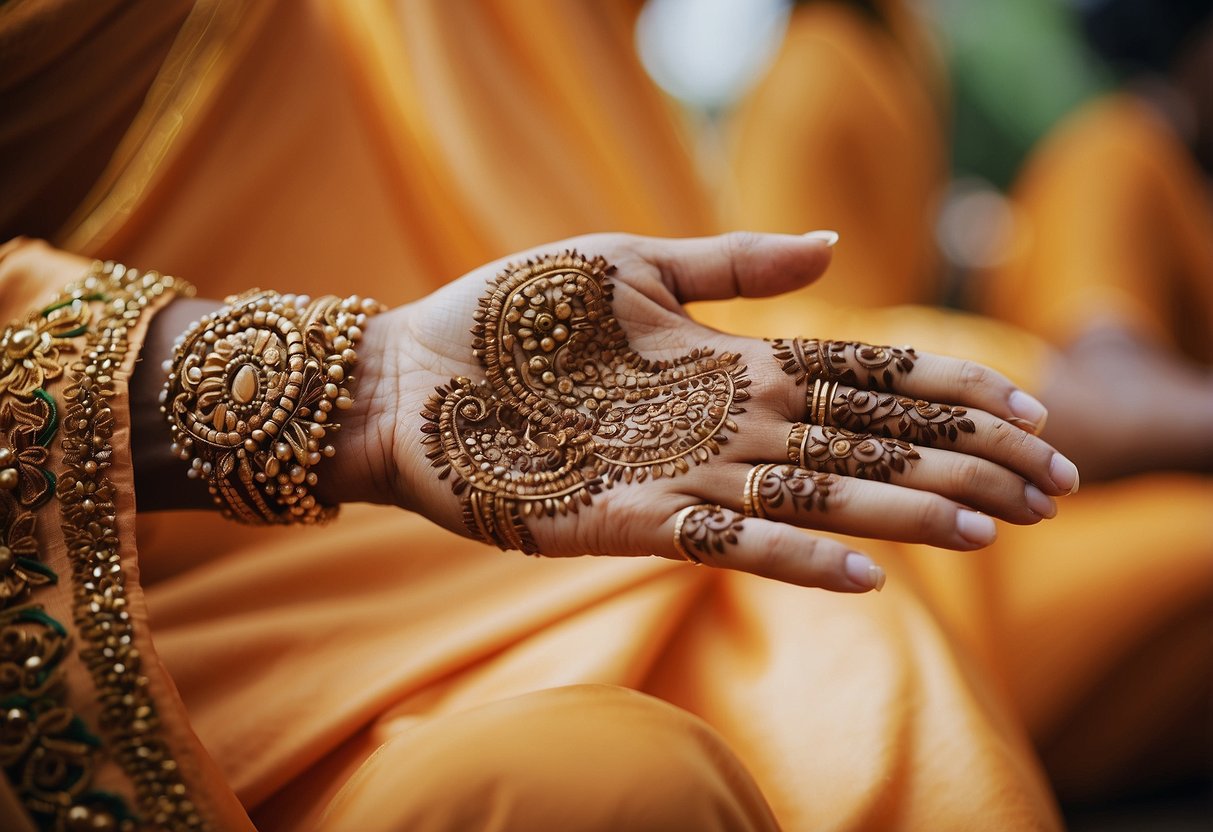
column 45, row 748
column 129, row 720
column 568, row 406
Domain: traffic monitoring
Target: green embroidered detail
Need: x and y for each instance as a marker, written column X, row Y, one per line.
column 52, row 423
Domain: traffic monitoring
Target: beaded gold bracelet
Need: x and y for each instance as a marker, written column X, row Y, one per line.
column 250, row 397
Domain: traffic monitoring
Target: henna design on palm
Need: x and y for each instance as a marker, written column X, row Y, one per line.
column 567, row 405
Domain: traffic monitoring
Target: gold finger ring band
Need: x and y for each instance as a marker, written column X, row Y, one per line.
column 751, row 500
column 821, row 401
column 798, row 440
column 680, row 520
column 705, row 529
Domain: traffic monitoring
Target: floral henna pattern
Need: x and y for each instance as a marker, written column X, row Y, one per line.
column 567, row 405
column 774, row 486
column 503, row 469
column 850, row 362
column 706, row 530
column 899, row 417
column 840, row 451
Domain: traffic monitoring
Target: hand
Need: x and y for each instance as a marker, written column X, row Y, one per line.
column 618, row 471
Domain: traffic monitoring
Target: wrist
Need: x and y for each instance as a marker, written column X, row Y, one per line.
column 160, row 480
column 363, row 469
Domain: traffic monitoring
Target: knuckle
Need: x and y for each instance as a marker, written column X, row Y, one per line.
column 934, row 516
column 968, row 475
column 973, row 376
column 1010, row 441
column 740, row 243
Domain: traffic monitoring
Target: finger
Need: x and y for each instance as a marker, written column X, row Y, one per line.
column 977, row 482
column 828, row 502
column 910, row 373
column 738, row 264
column 966, row 430
column 720, row 537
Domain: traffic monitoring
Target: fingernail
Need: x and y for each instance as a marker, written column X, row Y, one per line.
column 1028, row 409
column 862, row 571
column 824, row 235
column 975, row 527
column 1039, row 502
column 1064, row 474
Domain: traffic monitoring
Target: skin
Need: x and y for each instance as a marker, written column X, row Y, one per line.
column 1002, row 469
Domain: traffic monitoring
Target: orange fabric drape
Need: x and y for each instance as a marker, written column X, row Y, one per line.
column 1115, row 224
column 388, row 147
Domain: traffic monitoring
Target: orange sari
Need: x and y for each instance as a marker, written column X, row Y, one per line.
column 380, row 672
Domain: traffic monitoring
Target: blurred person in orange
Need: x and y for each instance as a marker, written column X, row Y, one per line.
column 384, row 673
column 1114, row 216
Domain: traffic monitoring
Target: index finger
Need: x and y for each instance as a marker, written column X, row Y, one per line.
column 907, row 372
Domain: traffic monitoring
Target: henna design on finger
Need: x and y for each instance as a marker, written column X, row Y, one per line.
column 771, row 485
column 705, row 530
column 862, row 455
column 567, row 406
column 850, row 362
column 899, row 417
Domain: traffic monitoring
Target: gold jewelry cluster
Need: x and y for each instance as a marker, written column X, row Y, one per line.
column 567, row 406
column 251, row 397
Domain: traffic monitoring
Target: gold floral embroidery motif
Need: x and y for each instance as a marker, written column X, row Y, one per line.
column 29, row 349
column 46, row 751
column 129, row 723
column 568, row 405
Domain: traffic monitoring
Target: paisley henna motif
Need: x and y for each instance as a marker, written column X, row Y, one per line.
column 899, row 417
column 705, row 530
column 850, row 362
column 567, row 405
column 771, row 486
column 840, row 451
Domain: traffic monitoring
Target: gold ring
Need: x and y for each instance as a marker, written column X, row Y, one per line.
column 751, row 501
column 821, row 402
column 679, row 519
column 798, row 440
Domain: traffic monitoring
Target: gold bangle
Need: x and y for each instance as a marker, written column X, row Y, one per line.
column 250, row 397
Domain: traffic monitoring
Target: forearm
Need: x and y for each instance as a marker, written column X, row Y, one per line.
column 160, row 479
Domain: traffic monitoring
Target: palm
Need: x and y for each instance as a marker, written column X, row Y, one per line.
column 575, row 349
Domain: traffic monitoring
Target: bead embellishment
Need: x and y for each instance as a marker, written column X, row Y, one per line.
column 251, row 395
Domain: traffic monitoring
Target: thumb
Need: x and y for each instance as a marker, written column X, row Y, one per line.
column 740, row 263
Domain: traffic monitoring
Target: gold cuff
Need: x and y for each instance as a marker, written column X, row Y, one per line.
column 250, row 397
